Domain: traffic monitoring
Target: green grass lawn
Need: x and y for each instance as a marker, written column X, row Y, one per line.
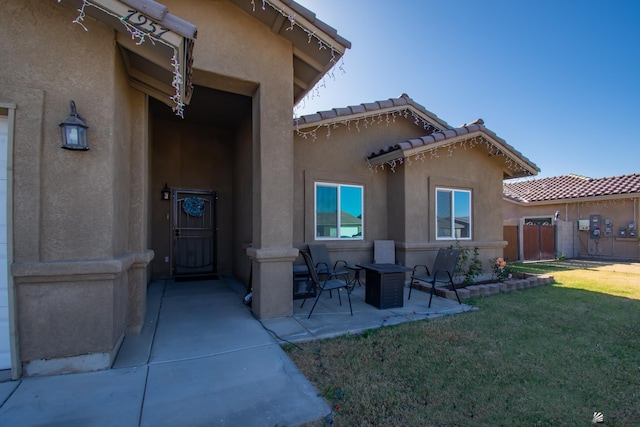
column 545, row 356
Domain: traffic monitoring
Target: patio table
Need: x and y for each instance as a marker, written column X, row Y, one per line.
column 384, row 285
column 356, row 275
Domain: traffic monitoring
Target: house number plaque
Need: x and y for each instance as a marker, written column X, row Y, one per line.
column 145, row 24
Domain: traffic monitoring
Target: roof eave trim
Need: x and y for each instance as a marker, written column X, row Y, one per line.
column 398, row 154
column 585, row 199
column 371, row 113
column 339, row 44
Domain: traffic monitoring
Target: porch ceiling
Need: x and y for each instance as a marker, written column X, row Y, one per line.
column 212, row 107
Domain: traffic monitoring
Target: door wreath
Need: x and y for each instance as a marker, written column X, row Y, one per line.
column 193, row 206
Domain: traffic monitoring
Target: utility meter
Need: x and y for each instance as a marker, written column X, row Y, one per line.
column 595, row 222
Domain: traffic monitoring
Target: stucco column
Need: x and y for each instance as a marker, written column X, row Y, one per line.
column 138, row 230
column 272, row 253
column 272, row 281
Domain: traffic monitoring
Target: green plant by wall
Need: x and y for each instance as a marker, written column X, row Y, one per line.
column 501, row 271
column 469, row 265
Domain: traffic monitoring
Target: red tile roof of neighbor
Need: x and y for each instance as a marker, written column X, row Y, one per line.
column 570, row 187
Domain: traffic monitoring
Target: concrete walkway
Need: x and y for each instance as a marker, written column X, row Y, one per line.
column 203, row 359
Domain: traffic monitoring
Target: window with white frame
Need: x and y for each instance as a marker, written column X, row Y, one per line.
column 453, row 214
column 338, row 211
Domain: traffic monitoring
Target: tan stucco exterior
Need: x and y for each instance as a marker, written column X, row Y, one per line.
column 74, row 254
column 89, row 228
column 399, row 203
column 575, row 243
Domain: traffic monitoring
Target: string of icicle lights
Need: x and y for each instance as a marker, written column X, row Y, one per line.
column 322, row 45
column 386, row 118
column 389, row 117
column 140, row 37
column 465, row 144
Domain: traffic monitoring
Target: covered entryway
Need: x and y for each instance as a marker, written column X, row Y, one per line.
column 206, row 160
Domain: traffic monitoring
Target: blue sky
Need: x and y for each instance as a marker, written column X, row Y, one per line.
column 559, row 80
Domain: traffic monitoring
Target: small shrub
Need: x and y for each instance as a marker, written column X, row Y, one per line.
column 469, row 265
column 501, row 271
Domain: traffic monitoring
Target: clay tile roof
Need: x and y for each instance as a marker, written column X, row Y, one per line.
column 328, row 114
column 438, row 129
column 311, row 17
column 441, row 137
column 364, row 109
column 570, row 187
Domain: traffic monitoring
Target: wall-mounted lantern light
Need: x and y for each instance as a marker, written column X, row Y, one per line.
column 166, row 192
column 74, row 131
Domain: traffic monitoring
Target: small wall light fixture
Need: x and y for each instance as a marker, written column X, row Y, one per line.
column 74, row 131
column 166, row 193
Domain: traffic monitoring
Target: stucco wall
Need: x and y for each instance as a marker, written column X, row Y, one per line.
column 398, row 205
column 242, row 209
column 64, row 62
column 471, row 169
column 72, row 212
column 621, row 211
column 341, row 158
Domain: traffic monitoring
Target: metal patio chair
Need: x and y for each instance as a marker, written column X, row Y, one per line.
column 322, row 262
column 442, row 272
column 328, row 284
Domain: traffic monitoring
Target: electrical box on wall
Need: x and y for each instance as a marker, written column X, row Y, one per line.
column 595, row 222
column 608, row 227
column 583, row 224
column 632, row 229
column 623, row 232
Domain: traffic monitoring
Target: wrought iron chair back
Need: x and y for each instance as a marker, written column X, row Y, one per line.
column 443, row 271
column 328, row 284
column 322, row 262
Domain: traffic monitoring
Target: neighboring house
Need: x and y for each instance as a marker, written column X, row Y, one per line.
column 349, row 225
column 409, row 177
column 586, row 217
column 86, row 231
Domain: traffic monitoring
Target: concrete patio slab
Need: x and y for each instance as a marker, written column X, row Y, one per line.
column 329, row 319
column 6, row 390
column 205, row 323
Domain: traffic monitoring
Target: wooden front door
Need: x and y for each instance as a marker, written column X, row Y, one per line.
column 194, row 233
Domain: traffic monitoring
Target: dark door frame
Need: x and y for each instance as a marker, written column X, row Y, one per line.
column 193, row 232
